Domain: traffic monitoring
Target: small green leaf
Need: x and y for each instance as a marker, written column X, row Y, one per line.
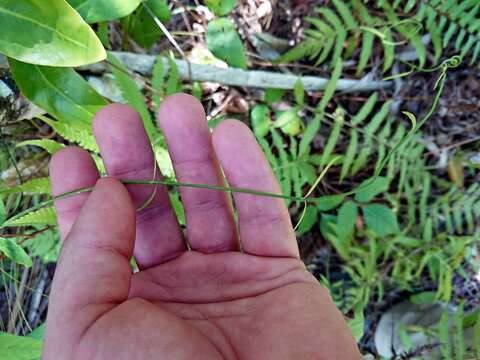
column 16, row 347
column 299, row 92
column 308, row 221
column 224, row 42
column 47, row 33
column 380, row 219
column 374, row 187
column 260, row 118
column 3, row 212
column 221, row 7
column 289, row 122
column 329, row 202
column 94, row 11
column 346, row 219
column 14, row 252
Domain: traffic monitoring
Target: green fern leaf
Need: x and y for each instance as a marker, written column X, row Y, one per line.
column 158, row 79
column 132, row 94
column 43, row 216
column 35, row 186
column 73, row 132
column 50, row 146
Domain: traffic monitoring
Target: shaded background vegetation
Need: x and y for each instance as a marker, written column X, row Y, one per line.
column 403, row 247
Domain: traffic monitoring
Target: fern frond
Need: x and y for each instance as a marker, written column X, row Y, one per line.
column 43, row 216
column 50, row 146
column 73, row 132
column 132, row 94
column 35, row 186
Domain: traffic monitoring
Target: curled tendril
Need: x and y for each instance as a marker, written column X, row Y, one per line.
column 452, row 62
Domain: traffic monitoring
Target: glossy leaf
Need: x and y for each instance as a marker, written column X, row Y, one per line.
column 14, row 252
column 59, row 91
column 94, row 11
column 47, row 33
column 224, row 42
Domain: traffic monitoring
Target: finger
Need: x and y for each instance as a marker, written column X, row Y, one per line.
column 70, row 169
column 265, row 225
column 209, row 215
column 127, row 154
column 93, row 274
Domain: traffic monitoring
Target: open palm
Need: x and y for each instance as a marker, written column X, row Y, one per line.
column 212, row 293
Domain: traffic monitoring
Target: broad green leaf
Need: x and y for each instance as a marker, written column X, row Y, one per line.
column 221, row 7
column 47, row 33
column 43, row 216
column 59, row 91
column 34, row 186
column 260, row 118
column 141, row 26
column 14, row 252
column 346, row 219
column 224, row 42
column 132, row 94
column 308, row 221
column 49, row 145
column 380, row 219
column 373, row 187
column 94, row 11
column 14, row 347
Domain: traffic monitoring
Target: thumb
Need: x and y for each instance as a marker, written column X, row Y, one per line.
column 93, row 273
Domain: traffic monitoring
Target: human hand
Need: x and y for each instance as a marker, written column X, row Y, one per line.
column 212, row 302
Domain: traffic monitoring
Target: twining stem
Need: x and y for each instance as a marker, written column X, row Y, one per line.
column 447, row 64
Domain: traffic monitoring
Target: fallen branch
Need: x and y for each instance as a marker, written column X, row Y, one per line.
column 143, row 64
